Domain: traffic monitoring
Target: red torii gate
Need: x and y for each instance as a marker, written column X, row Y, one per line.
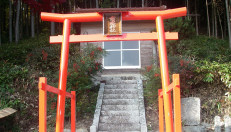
column 160, row 35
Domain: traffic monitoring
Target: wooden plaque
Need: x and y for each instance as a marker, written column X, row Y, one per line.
column 112, row 24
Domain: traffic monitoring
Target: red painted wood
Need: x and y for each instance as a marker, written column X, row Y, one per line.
column 130, row 15
column 63, row 76
column 164, row 74
column 104, row 38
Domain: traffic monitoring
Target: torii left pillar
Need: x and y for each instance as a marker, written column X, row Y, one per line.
column 63, row 76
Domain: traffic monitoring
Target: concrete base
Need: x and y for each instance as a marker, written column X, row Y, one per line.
column 93, row 128
column 190, row 111
column 193, row 129
column 77, row 130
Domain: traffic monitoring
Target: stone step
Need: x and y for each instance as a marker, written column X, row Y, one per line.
column 119, row 78
column 120, row 113
column 121, row 82
column 119, row 107
column 77, row 130
column 120, row 91
column 121, row 86
column 120, row 96
column 119, row 119
column 118, row 131
column 119, row 127
column 120, row 101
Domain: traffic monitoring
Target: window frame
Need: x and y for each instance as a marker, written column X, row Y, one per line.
column 121, row 51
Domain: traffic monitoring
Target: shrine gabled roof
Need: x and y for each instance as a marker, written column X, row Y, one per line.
column 102, row 10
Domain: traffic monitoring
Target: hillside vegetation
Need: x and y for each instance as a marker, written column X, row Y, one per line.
column 204, row 66
column 23, row 64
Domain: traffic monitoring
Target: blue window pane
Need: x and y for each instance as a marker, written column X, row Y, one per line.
column 113, row 58
column 130, row 58
column 130, row 44
column 112, row 45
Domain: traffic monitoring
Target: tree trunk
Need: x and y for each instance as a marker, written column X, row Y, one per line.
column 13, row 17
column 32, row 23
column 128, row 3
column 160, row 2
column 37, row 24
column 53, row 23
column 196, row 18
column 219, row 17
column 27, row 21
column 215, row 19
column 187, row 5
column 74, row 6
column 208, row 21
column 17, row 22
column 228, row 22
column 114, row 5
column 118, row 3
column 97, row 3
column 225, row 25
column 145, row 3
column 10, row 21
column 3, row 12
column 142, row 3
column 21, row 22
column 0, row 31
column 70, row 9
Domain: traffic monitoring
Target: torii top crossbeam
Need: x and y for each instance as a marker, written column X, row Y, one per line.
column 129, row 15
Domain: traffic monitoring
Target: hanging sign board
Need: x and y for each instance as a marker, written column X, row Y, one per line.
column 112, row 24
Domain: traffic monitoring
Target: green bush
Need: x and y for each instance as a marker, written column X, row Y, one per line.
column 44, row 59
column 203, row 47
column 214, row 71
column 184, row 66
column 12, row 79
column 83, row 67
column 209, row 59
column 152, row 83
column 177, row 65
column 17, row 53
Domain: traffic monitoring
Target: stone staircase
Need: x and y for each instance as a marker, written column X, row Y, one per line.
column 120, row 106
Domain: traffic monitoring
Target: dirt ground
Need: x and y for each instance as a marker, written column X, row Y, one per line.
column 152, row 120
column 82, row 123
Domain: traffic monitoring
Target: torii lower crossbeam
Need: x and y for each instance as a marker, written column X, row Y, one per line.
column 103, row 38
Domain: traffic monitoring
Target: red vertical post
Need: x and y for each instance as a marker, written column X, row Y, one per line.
column 161, row 111
column 73, row 115
column 164, row 73
column 42, row 104
column 176, row 102
column 63, row 76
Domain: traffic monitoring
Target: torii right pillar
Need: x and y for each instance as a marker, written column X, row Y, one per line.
column 164, row 73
